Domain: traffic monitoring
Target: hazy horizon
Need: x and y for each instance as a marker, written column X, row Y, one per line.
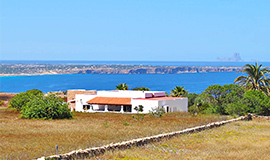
column 134, row 61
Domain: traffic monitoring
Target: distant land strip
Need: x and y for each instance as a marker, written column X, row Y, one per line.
column 49, row 69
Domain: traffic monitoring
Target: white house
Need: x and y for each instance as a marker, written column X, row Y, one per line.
column 126, row 101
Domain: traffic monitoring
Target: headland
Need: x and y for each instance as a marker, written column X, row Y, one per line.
column 9, row 69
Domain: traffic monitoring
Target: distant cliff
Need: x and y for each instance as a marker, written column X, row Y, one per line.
column 45, row 69
column 108, row 69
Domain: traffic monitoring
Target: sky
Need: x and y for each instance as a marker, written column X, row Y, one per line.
column 134, row 30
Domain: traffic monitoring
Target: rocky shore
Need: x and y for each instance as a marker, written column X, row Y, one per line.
column 157, row 70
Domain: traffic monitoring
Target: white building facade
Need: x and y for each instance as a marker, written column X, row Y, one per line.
column 125, row 101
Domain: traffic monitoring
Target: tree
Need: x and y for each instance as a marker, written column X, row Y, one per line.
column 178, row 91
column 253, row 101
column 191, row 98
column 218, row 97
column 257, row 102
column 141, row 89
column 49, row 107
column 20, row 100
column 35, row 92
column 122, row 86
column 257, row 78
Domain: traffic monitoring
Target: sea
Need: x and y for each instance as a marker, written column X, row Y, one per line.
column 193, row 82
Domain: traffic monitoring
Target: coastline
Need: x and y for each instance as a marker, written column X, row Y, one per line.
column 41, row 69
column 24, row 74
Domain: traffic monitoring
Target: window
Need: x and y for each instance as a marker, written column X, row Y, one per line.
column 86, row 107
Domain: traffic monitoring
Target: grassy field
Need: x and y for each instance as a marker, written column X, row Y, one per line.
column 239, row 140
column 28, row 139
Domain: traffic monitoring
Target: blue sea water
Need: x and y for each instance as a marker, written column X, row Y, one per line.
column 193, row 82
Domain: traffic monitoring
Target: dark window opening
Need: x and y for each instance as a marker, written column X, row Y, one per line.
column 127, row 108
column 86, row 107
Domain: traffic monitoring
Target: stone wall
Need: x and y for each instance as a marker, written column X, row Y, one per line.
column 258, row 117
column 91, row 152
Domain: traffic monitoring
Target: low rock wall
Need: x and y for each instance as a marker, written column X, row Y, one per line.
column 91, row 152
column 258, row 117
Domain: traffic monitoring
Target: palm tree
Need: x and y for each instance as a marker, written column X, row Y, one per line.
column 178, row 91
column 122, row 86
column 257, row 78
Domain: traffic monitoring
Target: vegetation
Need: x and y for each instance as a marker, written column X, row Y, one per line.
column 37, row 69
column 34, row 105
column 178, row 91
column 2, row 103
column 122, row 86
column 157, row 112
column 141, row 89
column 96, row 129
column 193, row 109
column 239, row 140
column 139, row 115
column 256, row 79
column 231, row 99
column 29, row 139
column 21, row 99
column 49, row 107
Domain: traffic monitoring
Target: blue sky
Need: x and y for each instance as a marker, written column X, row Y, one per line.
column 134, row 30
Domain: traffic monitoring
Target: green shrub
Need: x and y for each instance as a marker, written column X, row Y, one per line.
column 49, row 107
column 237, row 108
column 157, row 112
column 191, row 98
column 193, row 110
column 21, row 99
column 141, row 89
column 257, row 102
column 2, row 102
column 210, row 109
column 125, row 123
column 105, row 124
column 139, row 116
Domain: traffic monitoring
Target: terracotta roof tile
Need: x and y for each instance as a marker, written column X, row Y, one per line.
column 110, row 100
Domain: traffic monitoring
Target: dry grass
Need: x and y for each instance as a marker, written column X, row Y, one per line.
column 239, row 140
column 28, row 139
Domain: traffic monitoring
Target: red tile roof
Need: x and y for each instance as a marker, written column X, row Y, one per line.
column 110, row 100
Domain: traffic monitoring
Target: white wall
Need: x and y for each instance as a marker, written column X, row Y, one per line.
column 81, row 100
column 175, row 105
column 147, row 105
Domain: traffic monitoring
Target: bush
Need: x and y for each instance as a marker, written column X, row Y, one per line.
column 50, row 107
column 157, row 112
column 236, row 108
column 21, row 99
column 193, row 109
column 139, row 117
column 257, row 102
column 2, row 102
